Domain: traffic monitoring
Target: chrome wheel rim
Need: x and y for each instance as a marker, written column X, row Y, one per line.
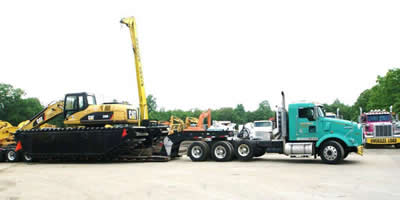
column 243, row 150
column 27, row 157
column 11, row 155
column 220, row 152
column 330, row 153
column 197, row 152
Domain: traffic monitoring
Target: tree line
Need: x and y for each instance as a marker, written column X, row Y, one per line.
column 14, row 108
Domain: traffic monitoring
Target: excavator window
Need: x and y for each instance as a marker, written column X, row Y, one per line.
column 76, row 102
column 91, row 100
column 81, row 105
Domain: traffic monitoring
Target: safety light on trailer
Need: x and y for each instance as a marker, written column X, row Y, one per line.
column 124, row 133
column 19, row 146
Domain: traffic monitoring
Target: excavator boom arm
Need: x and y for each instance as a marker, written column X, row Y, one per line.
column 130, row 22
column 48, row 113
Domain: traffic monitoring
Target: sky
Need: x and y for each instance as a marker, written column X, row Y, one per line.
column 200, row 54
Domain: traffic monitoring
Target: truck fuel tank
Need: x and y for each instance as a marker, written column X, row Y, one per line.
column 299, row 148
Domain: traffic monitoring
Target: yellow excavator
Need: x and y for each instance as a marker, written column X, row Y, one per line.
column 106, row 131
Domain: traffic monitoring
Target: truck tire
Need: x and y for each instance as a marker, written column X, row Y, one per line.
column 397, row 146
column 259, row 152
column 244, row 150
column 12, row 156
column 331, row 152
column 222, row 151
column 346, row 153
column 198, row 151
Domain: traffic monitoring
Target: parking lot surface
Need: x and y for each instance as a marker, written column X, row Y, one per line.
column 372, row 176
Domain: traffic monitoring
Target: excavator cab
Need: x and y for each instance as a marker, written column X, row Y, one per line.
column 75, row 102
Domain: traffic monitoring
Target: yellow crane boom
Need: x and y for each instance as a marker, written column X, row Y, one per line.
column 130, row 23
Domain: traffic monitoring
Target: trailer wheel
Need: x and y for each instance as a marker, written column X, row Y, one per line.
column 332, row 152
column 198, row 151
column 222, row 151
column 27, row 157
column 12, row 156
column 244, row 150
column 397, row 146
column 2, row 159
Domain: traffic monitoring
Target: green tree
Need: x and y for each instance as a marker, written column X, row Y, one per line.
column 15, row 109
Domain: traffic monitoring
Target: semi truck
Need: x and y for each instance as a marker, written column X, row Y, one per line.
column 379, row 128
column 301, row 131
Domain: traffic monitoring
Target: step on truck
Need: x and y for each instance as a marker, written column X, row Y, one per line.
column 301, row 131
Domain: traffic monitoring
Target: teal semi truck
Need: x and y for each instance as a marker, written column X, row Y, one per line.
column 301, row 131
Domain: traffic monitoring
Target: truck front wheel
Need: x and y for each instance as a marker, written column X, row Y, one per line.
column 331, row 152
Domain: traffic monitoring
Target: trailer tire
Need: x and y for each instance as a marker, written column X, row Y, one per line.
column 331, row 152
column 12, row 156
column 2, row 156
column 244, row 150
column 27, row 158
column 198, row 151
column 222, row 151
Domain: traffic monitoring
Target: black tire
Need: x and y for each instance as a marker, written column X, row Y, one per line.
column 259, row 152
column 12, row 156
column 27, row 158
column 2, row 156
column 346, row 153
column 244, row 150
column 397, row 146
column 222, row 151
column 198, row 151
column 331, row 152
column 367, row 146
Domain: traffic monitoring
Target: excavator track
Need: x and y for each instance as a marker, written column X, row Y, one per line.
column 125, row 144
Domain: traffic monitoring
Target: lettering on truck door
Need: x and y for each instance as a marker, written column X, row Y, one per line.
column 306, row 128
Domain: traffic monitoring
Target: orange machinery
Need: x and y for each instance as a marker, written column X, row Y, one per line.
column 200, row 124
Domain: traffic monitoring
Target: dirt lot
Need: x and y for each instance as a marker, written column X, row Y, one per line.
column 373, row 176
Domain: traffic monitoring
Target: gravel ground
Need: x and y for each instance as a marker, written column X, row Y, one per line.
column 372, row 176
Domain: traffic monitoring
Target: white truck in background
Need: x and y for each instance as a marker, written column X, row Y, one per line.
column 257, row 130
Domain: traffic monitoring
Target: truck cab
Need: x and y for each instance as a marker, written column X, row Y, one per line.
column 379, row 128
column 302, row 130
column 305, row 130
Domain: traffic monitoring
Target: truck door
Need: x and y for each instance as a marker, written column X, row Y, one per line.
column 306, row 124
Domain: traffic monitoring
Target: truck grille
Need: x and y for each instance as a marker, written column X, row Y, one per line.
column 383, row 130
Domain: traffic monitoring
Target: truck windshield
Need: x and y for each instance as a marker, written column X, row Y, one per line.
column 378, row 118
column 262, row 124
column 320, row 111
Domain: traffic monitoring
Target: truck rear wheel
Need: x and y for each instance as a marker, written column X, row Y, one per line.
column 198, row 151
column 259, row 152
column 12, row 156
column 244, row 150
column 222, row 151
column 331, row 152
